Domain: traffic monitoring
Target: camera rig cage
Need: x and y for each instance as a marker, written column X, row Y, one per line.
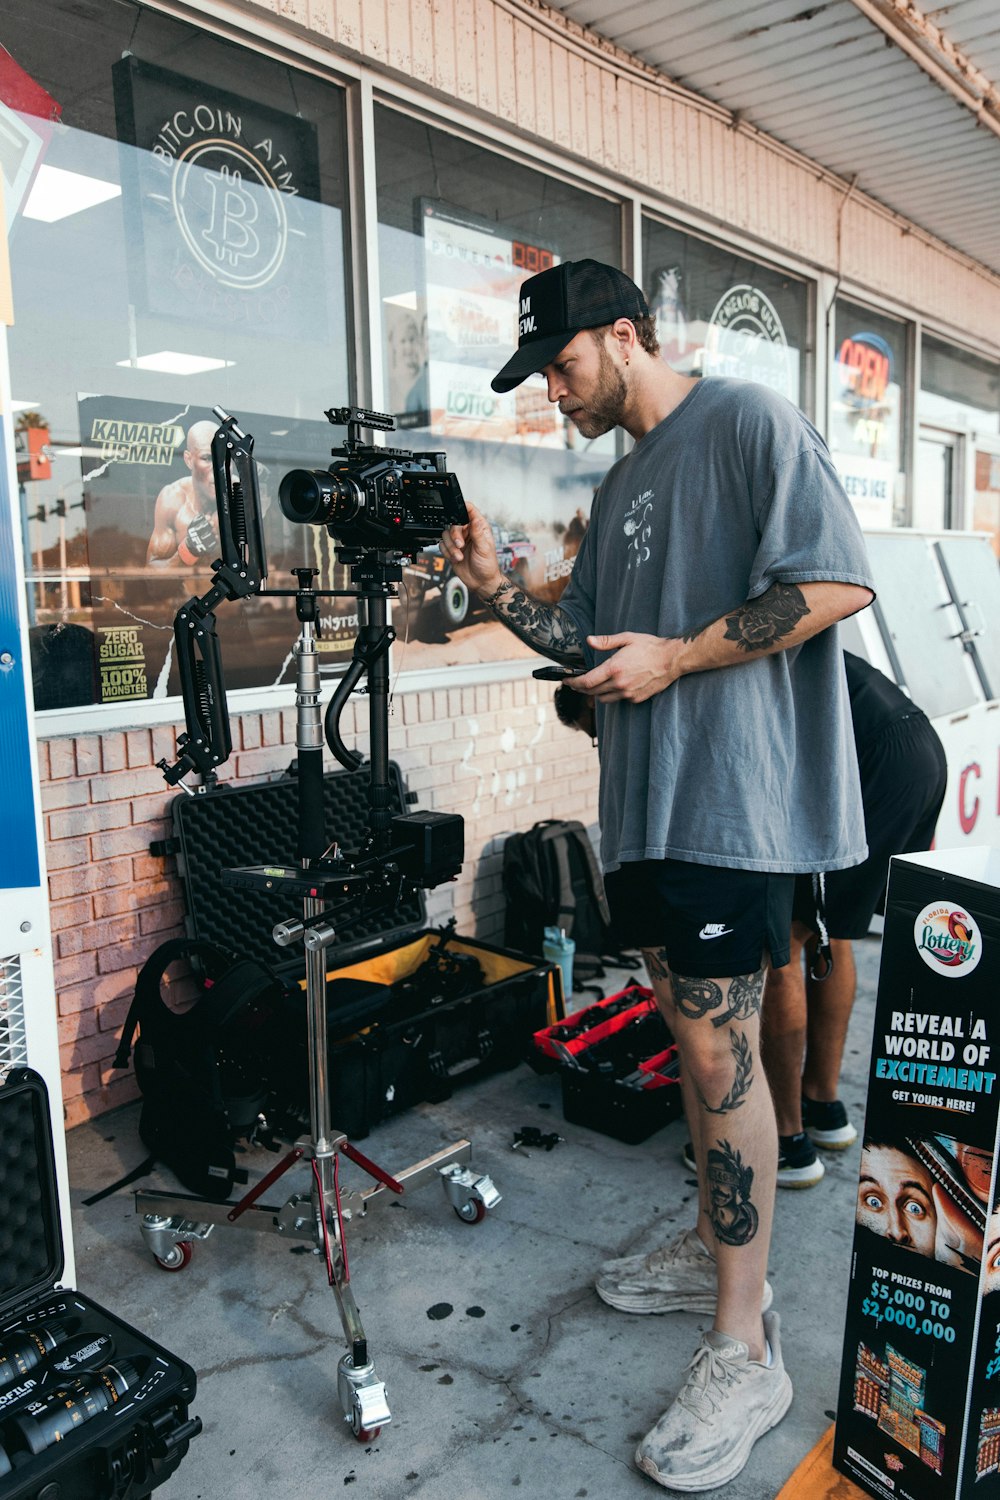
column 378, row 503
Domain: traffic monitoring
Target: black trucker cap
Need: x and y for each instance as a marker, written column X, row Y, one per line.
column 556, row 304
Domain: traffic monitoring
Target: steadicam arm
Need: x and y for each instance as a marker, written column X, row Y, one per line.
column 237, row 574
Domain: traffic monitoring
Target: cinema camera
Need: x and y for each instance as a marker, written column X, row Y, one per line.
column 386, row 498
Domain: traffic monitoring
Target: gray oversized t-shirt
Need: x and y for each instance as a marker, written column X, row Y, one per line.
column 750, row 766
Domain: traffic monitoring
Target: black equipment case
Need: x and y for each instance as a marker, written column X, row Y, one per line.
column 90, row 1409
column 405, row 1042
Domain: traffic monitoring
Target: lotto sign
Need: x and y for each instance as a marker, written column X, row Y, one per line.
column 918, row 1413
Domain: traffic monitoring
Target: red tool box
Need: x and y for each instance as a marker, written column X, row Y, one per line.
column 618, row 1066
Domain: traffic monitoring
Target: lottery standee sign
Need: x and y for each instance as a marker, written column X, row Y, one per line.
column 918, row 1413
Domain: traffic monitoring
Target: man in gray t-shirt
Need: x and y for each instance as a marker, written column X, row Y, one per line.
column 720, row 553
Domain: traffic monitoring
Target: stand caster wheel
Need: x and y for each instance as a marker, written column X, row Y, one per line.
column 176, row 1258
column 473, row 1212
column 367, row 1434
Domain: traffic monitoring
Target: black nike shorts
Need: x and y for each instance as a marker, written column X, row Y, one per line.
column 708, row 921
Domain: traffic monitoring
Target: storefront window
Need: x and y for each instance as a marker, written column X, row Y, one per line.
column 957, row 389
column 868, row 376
column 177, row 242
column 459, row 229
column 718, row 313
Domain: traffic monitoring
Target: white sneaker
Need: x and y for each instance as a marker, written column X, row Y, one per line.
column 726, row 1403
column 681, row 1276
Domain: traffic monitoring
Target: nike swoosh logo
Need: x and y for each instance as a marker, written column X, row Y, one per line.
column 714, row 932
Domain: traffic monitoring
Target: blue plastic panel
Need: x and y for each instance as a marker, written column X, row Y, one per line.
column 18, row 833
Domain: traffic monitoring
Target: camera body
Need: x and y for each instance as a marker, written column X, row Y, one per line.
column 373, row 497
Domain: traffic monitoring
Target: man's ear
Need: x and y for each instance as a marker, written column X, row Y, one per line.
column 624, row 334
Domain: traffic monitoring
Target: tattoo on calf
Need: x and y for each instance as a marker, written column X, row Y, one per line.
column 743, row 1079
column 734, row 1218
column 761, row 623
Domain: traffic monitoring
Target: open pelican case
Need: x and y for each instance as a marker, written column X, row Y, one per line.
column 90, row 1409
column 411, row 1012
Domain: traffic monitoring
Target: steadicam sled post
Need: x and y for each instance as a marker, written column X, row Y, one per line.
column 400, row 852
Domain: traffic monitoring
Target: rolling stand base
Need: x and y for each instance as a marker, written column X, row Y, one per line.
column 171, row 1221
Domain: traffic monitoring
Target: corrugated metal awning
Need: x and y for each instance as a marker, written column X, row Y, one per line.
column 870, row 88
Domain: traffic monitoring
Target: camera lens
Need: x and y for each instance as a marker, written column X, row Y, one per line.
column 317, row 497
column 68, row 1408
column 23, row 1351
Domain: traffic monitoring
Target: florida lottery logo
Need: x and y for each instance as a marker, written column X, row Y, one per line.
column 948, row 939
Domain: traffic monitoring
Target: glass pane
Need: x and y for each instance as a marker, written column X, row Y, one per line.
column 459, row 229
column 719, row 313
column 867, row 379
column 958, row 389
column 932, row 489
column 178, row 243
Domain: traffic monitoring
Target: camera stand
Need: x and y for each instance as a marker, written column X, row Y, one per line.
column 372, row 878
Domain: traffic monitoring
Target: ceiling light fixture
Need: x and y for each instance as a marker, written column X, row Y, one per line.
column 56, row 194
column 173, row 362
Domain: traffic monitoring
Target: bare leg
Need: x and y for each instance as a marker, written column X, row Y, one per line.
column 828, row 1006
column 783, row 1034
column 716, row 1024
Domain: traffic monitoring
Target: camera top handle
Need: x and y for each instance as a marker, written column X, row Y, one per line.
column 356, row 417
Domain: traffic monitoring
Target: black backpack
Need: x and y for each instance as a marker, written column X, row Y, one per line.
column 551, row 879
column 201, row 1087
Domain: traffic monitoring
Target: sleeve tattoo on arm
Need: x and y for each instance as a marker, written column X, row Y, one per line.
column 543, row 626
column 761, row 623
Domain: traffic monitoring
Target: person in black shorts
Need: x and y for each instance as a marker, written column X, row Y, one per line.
column 807, row 1010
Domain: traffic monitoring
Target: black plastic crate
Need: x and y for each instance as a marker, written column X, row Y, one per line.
column 620, row 1072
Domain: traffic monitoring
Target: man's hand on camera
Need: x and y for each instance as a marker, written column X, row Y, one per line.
column 472, row 553
column 641, row 667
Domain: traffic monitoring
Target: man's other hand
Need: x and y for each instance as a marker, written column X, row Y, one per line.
column 641, row 666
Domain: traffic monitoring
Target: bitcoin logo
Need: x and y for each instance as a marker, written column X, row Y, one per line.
column 230, row 212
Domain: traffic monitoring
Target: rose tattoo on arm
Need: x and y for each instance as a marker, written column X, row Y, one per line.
column 761, row 623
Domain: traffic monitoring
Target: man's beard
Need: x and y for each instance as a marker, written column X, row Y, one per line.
column 606, row 407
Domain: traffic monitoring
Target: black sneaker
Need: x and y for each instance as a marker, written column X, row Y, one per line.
column 798, row 1164
column 828, row 1125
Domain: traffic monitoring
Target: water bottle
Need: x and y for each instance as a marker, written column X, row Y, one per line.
column 557, row 948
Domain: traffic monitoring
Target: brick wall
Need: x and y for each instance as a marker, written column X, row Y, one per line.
column 496, row 754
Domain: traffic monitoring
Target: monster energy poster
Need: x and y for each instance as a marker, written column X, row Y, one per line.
column 918, row 1414
column 217, row 197
column 152, row 534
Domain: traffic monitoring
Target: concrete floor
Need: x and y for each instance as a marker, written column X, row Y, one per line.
column 504, row 1370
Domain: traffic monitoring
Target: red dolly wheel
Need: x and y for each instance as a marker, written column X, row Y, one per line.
column 367, row 1434
column 473, row 1212
column 176, row 1258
